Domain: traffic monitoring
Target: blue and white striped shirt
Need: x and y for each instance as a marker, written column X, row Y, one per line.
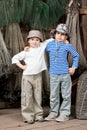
column 58, row 53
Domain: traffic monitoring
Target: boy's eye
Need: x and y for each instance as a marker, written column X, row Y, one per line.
column 35, row 39
column 60, row 33
column 32, row 39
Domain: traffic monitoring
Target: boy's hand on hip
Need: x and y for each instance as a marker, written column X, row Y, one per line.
column 71, row 71
column 24, row 67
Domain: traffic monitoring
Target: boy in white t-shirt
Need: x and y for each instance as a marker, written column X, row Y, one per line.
column 31, row 93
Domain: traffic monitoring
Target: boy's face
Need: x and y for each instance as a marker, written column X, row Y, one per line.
column 60, row 37
column 34, row 42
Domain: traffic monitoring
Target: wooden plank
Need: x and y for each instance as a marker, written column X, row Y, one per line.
column 83, row 11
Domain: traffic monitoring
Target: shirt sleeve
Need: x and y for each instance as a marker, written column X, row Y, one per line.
column 75, row 56
column 45, row 43
column 18, row 57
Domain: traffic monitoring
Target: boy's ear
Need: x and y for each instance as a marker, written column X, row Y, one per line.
column 66, row 37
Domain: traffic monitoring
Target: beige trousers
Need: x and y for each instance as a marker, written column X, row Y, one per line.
column 31, row 97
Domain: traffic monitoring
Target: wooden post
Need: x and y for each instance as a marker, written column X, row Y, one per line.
column 83, row 11
column 83, row 25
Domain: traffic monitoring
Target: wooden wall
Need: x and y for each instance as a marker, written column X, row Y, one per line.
column 83, row 23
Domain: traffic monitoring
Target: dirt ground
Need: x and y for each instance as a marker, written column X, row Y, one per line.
column 11, row 119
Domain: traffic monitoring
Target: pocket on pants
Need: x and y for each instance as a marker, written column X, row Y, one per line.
column 23, row 99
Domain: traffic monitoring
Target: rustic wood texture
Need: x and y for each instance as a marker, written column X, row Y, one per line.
column 83, row 11
column 83, row 23
column 73, row 25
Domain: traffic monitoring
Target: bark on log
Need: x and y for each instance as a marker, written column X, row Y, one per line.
column 84, row 27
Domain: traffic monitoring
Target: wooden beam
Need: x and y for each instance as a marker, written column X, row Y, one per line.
column 83, row 11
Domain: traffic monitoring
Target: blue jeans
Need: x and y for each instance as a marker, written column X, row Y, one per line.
column 60, row 83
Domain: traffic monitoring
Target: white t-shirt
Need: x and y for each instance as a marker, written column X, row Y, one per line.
column 34, row 59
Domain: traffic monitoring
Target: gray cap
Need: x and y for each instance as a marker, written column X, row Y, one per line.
column 62, row 28
column 35, row 33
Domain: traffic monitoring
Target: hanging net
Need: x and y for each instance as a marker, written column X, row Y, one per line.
column 56, row 9
column 11, row 11
column 35, row 13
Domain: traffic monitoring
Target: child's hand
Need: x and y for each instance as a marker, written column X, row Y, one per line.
column 26, row 48
column 71, row 71
column 24, row 67
column 66, row 41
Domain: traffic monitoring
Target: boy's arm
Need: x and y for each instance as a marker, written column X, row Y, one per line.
column 26, row 49
column 48, row 40
column 23, row 67
column 17, row 58
column 72, row 71
column 75, row 60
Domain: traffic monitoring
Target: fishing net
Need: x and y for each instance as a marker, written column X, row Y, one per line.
column 35, row 13
column 56, row 10
column 43, row 15
column 11, row 11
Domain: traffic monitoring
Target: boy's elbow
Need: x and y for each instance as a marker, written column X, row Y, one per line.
column 13, row 61
column 78, row 56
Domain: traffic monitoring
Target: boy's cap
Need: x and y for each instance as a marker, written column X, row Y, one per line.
column 35, row 33
column 62, row 28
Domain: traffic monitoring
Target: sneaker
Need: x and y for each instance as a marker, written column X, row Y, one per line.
column 39, row 120
column 30, row 121
column 50, row 117
column 25, row 121
column 62, row 118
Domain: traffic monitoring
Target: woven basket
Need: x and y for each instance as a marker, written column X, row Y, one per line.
column 81, row 97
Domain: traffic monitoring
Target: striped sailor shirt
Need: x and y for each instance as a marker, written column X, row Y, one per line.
column 58, row 57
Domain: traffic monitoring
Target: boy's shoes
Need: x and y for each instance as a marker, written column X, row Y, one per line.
column 62, row 118
column 25, row 121
column 39, row 120
column 30, row 121
column 50, row 117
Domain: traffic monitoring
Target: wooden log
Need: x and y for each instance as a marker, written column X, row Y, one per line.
column 83, row 23
column 83, row 11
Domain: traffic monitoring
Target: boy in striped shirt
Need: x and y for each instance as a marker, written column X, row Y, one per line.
column 60, row 74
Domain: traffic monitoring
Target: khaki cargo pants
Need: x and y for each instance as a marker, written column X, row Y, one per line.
column 31, row 97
